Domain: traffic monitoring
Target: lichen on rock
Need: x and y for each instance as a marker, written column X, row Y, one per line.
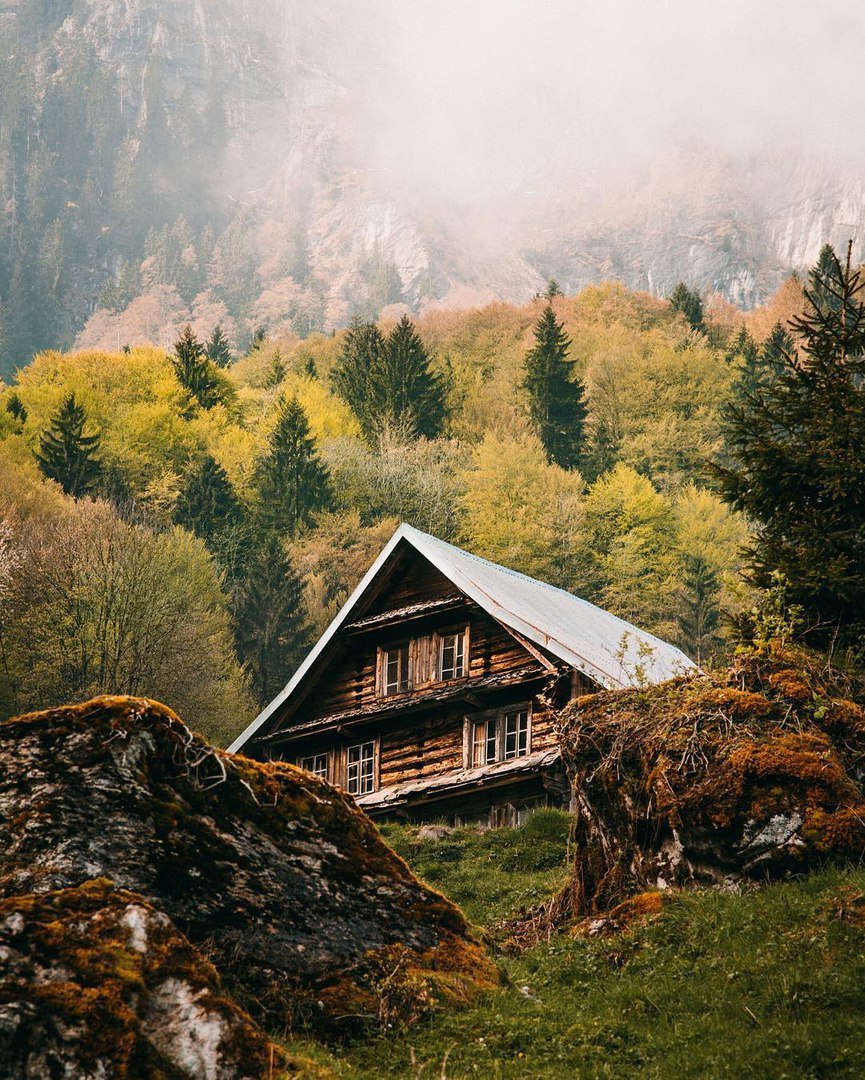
column 276, row 876
column 95, row 982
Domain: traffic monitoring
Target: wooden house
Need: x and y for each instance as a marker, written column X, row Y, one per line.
column 433, row 693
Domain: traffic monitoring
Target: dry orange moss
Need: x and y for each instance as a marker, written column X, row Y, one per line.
column 776, row 742
column 630, row 913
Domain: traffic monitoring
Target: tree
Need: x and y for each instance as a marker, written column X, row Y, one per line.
column 406, row 391
column 744, row 346
column 207, row 504
column 556, row 397
column 271, row 627
column 292, row 482
column 761, row 364
column 797, row 466
column 553, row 290
column 688, row 302
column 15, row 407
column 195, row 372
column 217, row 348
column 66, row 454
column 353, row 376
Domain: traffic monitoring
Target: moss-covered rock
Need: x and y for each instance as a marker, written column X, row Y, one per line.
column 275, row 875
column 95, row 982
column 747, row 773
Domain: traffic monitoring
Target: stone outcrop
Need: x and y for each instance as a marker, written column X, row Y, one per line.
column 310, row 919
column 753, row 772
column 94, row 982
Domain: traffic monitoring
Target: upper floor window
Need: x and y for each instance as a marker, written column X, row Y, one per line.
column 395, row 670
column 360, row 769
column 440, row 657
column 316, row 763
column 452, row 655
column 500, row 737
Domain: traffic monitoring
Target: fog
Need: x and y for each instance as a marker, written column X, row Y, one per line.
column 485, row 99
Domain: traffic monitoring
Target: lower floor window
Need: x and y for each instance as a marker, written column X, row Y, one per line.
column 360, row 769
column 500, row 738
column 315, row 763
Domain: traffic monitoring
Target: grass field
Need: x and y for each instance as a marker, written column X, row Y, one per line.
column 770, row 983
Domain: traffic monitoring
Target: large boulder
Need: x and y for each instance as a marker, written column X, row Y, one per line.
column 276, row 876
column 752, row 772
column 94, row 982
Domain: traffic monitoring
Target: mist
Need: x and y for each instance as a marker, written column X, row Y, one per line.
column 480, row 101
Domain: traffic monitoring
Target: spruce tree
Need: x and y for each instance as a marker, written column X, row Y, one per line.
column 217, row 348
column 797, row 448
column 355, row 374
column 689, row 303
column 194, row 370
column 208, row 504
column 66, row 454
column 763, row 362
column 405, row 391
column 553, row 290
column 292, row 482
column 556, row 397
column 271, row 628
column 15, row 407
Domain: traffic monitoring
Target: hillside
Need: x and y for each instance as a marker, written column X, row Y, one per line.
column 706, row 983
column 233, row 163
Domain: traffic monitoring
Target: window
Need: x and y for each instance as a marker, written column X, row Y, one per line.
column 484, row 742
column 500, row 737
column 395, row 671
column 315, row 763
column 452, row 656
column 516, row 734
column 360, row 769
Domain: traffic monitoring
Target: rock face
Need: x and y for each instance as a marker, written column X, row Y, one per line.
column 753, row 772
column 276, row 876
column 95, row 982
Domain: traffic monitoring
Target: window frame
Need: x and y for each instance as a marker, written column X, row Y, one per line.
column 405, row 682
column 373, row 774
column 461, row 631
column 328, row 763
column 500, row 718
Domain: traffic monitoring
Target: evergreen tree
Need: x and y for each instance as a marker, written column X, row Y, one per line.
column 742, row 345
column 15, row 406
column 762, row 363
column 271, row 627
column 207, row 504
column 293, row 484
column 276, row 372
column 689, row 303
column 556, row 397
column 699, row 614
column 553, row 290
column 406, row 392
column 194, row 370
column 354, row 375
column 798, row 465
column 66, row 454
column 217, row 348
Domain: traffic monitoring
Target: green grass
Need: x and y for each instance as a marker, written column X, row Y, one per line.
column 768, row 984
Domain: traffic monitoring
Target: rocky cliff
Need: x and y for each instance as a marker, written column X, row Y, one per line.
column 273, row 876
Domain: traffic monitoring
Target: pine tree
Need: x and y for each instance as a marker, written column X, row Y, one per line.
column 699, row 614
column 797, row 465
column 556, row 397
column 355, row 373
column 762, row 363
column 217, row 348
column 66, row 454
column 292, row 482
column 689, row 303
column 208, row 504
column 271, row 628
column 406, row 392
column 553, row 290
column 194, row 370
column 15, row 407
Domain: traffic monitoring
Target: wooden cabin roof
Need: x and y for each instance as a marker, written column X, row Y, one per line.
column 608, row 650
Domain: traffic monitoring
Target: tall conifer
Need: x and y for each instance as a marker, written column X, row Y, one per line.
column 355, row 373
column 217, row 348
column 66, row 454
column 689, row 303
column 208, row 504
column 195, row 372
column 797, row 443
column 292, row 482
column 556, row 397
column 407, row 392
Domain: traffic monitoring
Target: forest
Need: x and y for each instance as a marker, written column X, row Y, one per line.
column 183, row 524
